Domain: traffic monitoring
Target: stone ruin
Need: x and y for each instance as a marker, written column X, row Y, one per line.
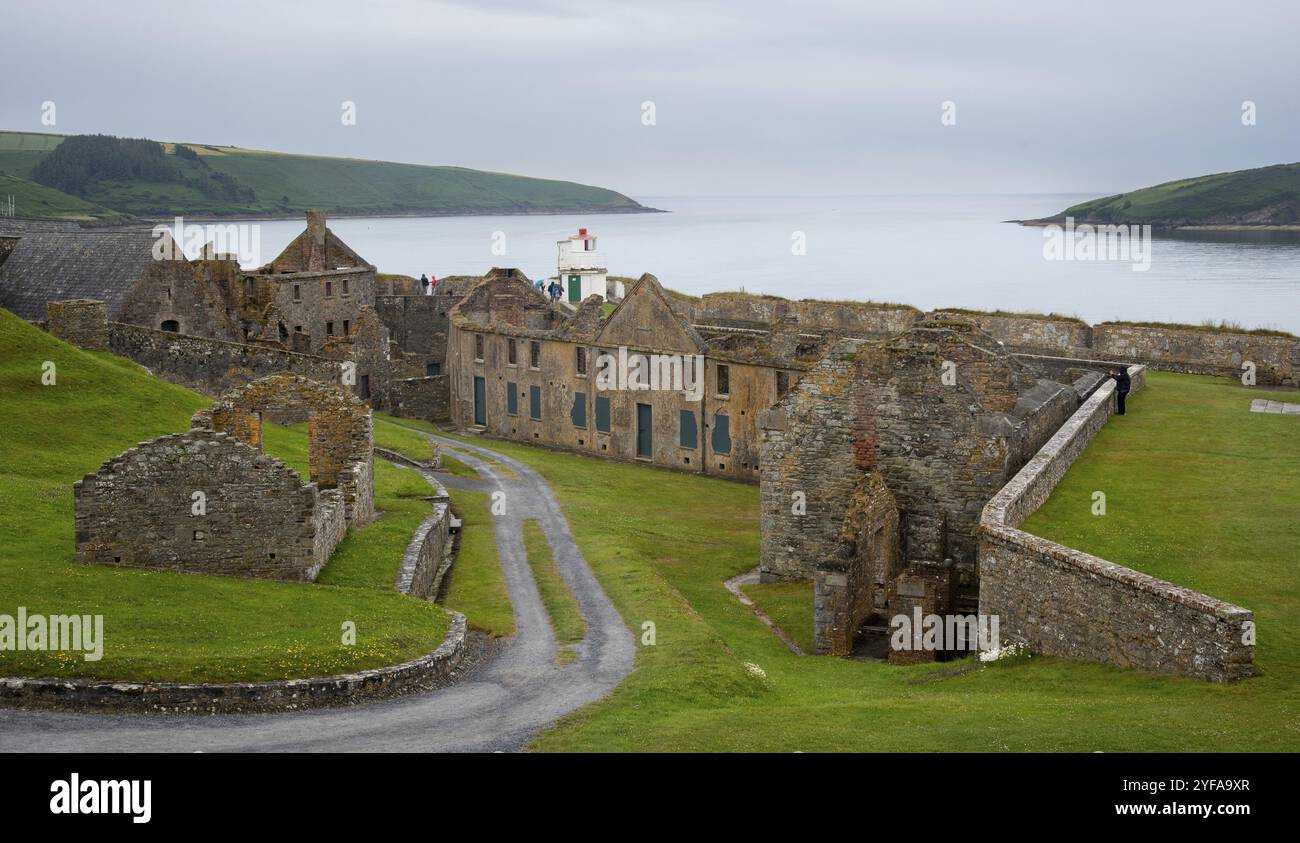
column 209, row 501
column 875, row 469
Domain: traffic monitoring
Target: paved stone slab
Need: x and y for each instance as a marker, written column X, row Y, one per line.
column 1263, row 405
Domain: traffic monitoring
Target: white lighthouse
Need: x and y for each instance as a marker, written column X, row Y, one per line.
column 582, row 269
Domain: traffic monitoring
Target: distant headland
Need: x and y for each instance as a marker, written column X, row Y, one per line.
column 100, row 178
column 1258, row 199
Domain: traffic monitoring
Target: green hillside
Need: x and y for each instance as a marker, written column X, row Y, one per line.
column 231, row 181
column 172, row 626
column 1263, row 196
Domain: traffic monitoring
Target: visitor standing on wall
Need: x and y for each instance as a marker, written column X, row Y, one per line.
column 1123, row 383
column 433, row 284
column 424, row 283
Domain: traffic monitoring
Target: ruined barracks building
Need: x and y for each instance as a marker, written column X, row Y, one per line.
column 525, row 369
column 891, row 449
column 211, row 325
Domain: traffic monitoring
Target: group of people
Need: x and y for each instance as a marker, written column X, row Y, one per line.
column 555, row 289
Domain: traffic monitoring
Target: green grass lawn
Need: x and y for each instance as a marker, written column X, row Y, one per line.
column 1200, row 492
column 159, row 626
column 662, row 543
column 789, row 605
column 411, row 445
column 566, row 618
column 1197, row 199
column 478, row 584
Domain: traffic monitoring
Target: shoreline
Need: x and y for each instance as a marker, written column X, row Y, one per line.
column 210, row 218
column 1234, row 226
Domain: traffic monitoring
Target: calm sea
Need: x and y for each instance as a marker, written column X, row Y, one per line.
column 929, row 251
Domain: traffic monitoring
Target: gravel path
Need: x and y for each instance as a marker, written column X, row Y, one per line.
column 500, row 705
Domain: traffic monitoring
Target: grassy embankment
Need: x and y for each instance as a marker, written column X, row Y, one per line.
column 1200, row 491
column 172, row 626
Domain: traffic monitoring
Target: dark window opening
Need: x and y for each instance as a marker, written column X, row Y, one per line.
column 579, row 413
column 250, row 287
column 512, row 352
column 688, row 436
column 581, row 357
column 347, row 328
column 283, row 331
column 721, row 434
column 478, row 347
column 782, row 383
column 329, row 289
column 724, row 380
column 297, row 292
column 535, row 403
column 345, row 286
column 535, row 355
column 329, row 329
column 365, row 386
column 172, row 326
column 432, row 369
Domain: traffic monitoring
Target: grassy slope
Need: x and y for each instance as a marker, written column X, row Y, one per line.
column 663, row 558
column 287, row 184
column 1199, row 199
column 561, row 605
column 789, row 605
column 1201, row 492
column 478, row 583
column 182, row 627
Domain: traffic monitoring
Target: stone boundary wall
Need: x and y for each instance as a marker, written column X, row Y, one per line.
column 79, row 322
column 744, row 310
column 210, row 366
column 1063, row 602
column 429, row 554
column 427, row 398
column 1164, row 347
column 426, row 672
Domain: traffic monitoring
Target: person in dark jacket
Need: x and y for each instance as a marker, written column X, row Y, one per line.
column 1122, row 386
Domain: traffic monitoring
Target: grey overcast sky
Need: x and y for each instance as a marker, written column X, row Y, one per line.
column 754, row 97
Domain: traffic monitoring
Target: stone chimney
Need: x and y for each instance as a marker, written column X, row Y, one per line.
column 315, row 239
column 508, row 309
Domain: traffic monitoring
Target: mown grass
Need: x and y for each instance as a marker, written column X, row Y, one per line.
column 157, row 626
column 411, row 445
column 661, row 544
column 566, row 617
column 789, row 605
column 370, row 556
column 477, row 584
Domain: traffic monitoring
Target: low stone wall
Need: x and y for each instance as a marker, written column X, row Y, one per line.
column 429, row 671
column 79, row 322
column 758, row 311
column 1064, row 602
column 427, row 398
column 1169, row 348
column 1276, row 359
column 213, row 366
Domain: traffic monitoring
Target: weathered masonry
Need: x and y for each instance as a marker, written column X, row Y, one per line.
column 208, row 501
column 1064, row 602
column 522, row 368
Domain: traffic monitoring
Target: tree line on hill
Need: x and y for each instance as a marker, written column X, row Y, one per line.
column 80, row 162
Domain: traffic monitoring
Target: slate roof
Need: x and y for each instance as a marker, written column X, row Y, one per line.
column 51, row 264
